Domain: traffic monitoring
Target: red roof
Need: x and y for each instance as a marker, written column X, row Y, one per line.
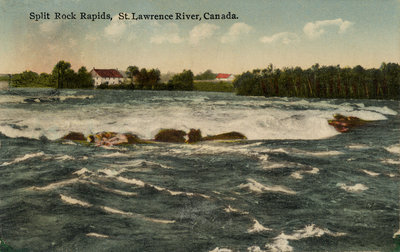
column 108, row 73
column 222, row 76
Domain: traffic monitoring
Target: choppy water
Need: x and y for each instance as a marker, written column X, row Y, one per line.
column 295, row 184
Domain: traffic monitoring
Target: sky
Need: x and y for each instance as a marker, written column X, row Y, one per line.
column 285, row 33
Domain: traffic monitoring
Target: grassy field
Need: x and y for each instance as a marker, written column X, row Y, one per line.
column 214, row 86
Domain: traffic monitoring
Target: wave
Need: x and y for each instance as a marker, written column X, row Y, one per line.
column 58, row 184
column 140, row 183
column 24, row 158
column 97, row 235
column 230, row 209
column 281, row 242
column 282, row 120
column 355, row 188
column 112, row 155
column 259, row 188
column 371, row 173
column 391, row 161
column 257, row 227
column 394, row 149
column 299, row 174
column 217, row 249
column 358, row 146
column 120, row 212
column 315, row 153
column 73, row 201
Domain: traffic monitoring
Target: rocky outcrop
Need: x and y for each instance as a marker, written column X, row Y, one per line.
column 112, row 138
column 345, row 123
column 225, row 136
column 194, row 136
column 170, row 136
column 107, row 138
column 74, row 136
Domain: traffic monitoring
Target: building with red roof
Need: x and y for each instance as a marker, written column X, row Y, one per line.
column 109, row 76
column 225, row 77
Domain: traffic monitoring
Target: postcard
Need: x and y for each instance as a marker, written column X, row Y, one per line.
column 216, row 126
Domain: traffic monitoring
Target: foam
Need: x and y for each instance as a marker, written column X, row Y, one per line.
column 255, row 249
column 11, row 99
column 97, row 235
column 257, row 227
column 371, row 173
column 281, row 242
column 63, row 98
column 394, row 149
column 230, row 209
column 111, row 172
column 116, row 191
column 281, row 119
column 299, row 174
column 82, row 171
column 217, row 249
column 58, row 184
column 115, row 211
column 316, row 154
column 64, row 158
column 383, row 110
column 358, row 146
column 396, row 234
column 158, row 188
column 73, row 201
column 296, row 175
column 355, row 188
column 120, row 212
column 259, row 188
column 24, row 158
column 391, row 161
column 112, row 155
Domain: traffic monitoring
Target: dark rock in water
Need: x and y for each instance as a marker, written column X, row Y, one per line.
column 74, row 136
column 225, row 136
column 344, row 123
column 194, row 136
column 133, row 139
column 170, row 136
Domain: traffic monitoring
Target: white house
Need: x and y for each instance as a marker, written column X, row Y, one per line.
column 225, row 77
column 110, row 76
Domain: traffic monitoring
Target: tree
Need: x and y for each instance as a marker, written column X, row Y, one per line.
column 84, row 78
column 182, row 81
column 206, row 75
column 132, row 72
column 61, row 70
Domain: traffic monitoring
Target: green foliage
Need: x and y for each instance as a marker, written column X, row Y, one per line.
column 62, row 76
column 182, row 81
column 66, row 77
column 147, row 80
column 132, row 72
column 213, row 86
column 32, row 79
column 323, row 82
column 5, row 77
column 206, row 75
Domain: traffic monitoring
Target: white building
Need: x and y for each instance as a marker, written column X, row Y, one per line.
column 109, row 76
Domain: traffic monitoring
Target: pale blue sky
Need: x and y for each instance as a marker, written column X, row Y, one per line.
column 284, row 33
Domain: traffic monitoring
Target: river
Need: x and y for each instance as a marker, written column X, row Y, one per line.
column 295, row 184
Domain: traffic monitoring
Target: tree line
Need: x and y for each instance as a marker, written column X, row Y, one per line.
column 322, row 82
column 150, row 79
column 62, row 76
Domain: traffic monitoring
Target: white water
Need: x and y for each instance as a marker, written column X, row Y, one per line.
column 276, row 121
